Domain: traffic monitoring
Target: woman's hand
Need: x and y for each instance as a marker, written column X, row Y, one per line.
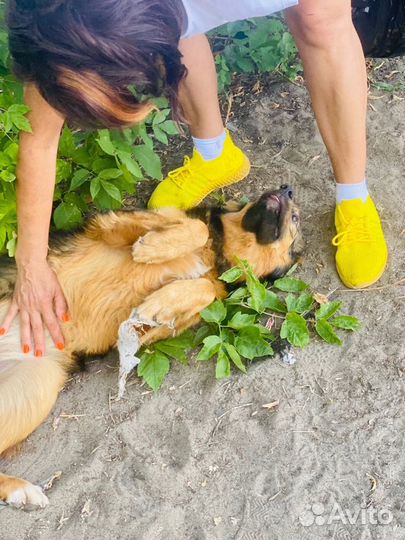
column 39, row 300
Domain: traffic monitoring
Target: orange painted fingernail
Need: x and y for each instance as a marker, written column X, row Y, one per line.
column 60, row 346
column 66, row 317
column 2, row 331
column 38, row 354
column 26, row 349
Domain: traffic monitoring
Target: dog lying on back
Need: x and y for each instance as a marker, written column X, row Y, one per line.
column 165, row 263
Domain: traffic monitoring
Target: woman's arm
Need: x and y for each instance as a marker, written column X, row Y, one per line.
column 38, row 296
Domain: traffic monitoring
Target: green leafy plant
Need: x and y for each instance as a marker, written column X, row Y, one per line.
column 245, row 325
column 254, row 46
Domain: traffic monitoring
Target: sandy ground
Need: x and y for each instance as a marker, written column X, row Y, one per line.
column 158, row 467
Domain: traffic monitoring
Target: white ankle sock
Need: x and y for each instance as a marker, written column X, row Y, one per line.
column 348, row 192
column 210, row 148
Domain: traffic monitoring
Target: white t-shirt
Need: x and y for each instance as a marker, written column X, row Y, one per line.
column 204, row 15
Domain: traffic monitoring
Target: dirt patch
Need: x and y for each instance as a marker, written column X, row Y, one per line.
column 162, row 466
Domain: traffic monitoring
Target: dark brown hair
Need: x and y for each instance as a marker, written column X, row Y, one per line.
column 84, row 54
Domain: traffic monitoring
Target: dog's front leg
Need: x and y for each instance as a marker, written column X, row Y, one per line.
column 174, row 241
column 166, row 312
column 121, row 229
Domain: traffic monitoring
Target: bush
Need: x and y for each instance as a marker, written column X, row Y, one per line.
column 100, row 167
column 254, row 46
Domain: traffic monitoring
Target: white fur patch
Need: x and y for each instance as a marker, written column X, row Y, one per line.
column 28, row 495
column 128, row 345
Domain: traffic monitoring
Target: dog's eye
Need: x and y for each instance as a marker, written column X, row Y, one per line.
column 295, row 218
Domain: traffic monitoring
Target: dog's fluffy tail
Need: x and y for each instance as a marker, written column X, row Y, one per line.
column 28, row 386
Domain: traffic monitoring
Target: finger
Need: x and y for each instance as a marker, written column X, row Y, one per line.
column 61, row 308
column 37, row 328
column 25, row 332
column 52, row 324
column 11, row 314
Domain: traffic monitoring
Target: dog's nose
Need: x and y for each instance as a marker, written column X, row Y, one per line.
column 287, row 190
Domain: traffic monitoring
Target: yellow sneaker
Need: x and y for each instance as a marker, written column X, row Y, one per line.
column 188, row 185
column 362, row 253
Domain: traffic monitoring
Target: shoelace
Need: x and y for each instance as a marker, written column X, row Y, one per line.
column 180, row 175
column 356, row 230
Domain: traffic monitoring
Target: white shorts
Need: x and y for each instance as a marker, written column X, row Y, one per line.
column 205, row 15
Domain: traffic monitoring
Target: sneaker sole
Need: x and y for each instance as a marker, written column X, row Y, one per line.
column 363, row 285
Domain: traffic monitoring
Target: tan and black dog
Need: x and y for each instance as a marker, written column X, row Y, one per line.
column 165, row 262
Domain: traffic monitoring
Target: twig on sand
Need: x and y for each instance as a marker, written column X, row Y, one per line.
column 219, row 419
column 229, row 108
column 286, row 395
column 62, row 520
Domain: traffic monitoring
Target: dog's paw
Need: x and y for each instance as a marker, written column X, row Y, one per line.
column 27, row 495
column 159, row 314
column 146, row 250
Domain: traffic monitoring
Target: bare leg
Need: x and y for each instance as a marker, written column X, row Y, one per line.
column 335, row 74
column 199, row 90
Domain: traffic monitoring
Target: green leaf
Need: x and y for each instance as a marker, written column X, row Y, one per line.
column 6, row 121
column 239, row 320
column 63, row 170
column 7, row 176
column 215, row 312
column 21, row 122
column 12, row 151
column 327, row 310
column 100, row 164
column 223, row 366
column 169, row 127
column 149, row 161
column 160, row 135
column 79, row 178
column 95, row 187
column 235, row 357
column 105, row 143
column 231, row 275
column 159, row 117
column 326, row 332
column 346, row 323
column 67, row 145
column 67, row 216
column 274, row 303
column 299, row 304
column 288, row 284
column 153, row 368
column 110, row 174
column 250, row 344
column 211, row 346
column 112, row 190
column 202, row 332
column 295, row 330
column 130, row 164
column 11, row 245
column 176, row 347
column 237, row 296
column 258, row 293
column 18, row 108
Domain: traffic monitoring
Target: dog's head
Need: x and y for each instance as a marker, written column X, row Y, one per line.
column 266, row 233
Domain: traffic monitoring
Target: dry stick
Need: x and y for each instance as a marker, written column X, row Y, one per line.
column 229, row 109
column 219, row 419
